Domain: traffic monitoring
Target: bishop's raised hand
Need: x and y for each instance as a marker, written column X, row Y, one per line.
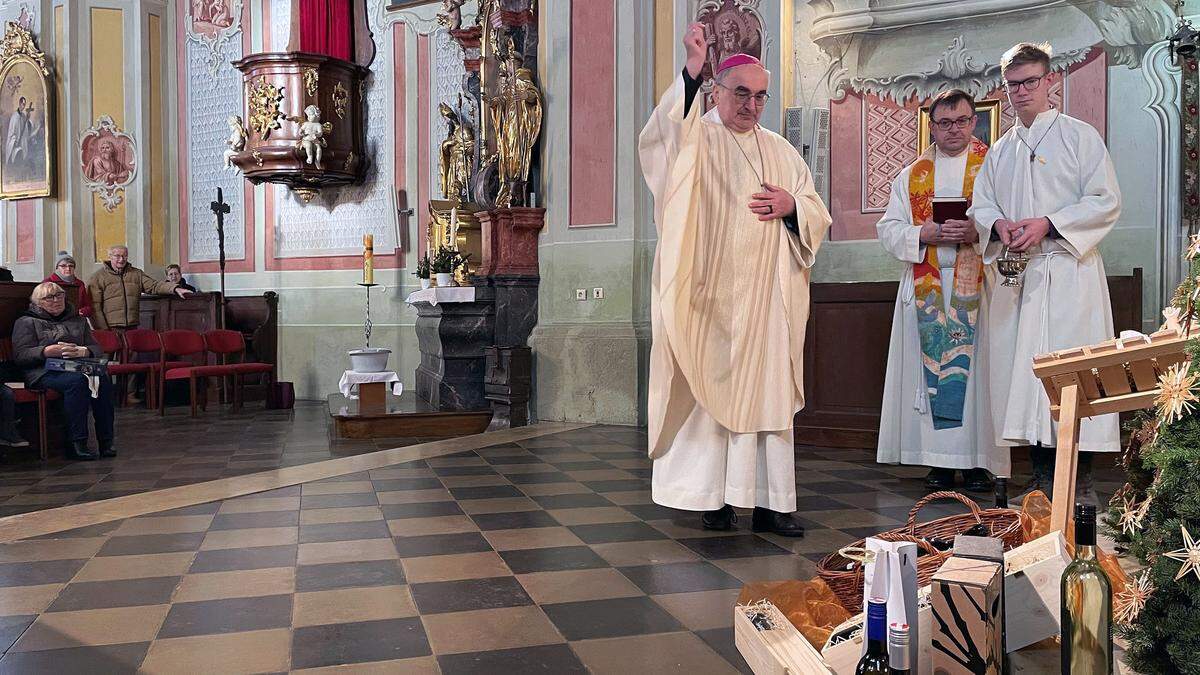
column 695, row 48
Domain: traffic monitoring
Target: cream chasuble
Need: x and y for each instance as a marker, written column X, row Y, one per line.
column 906, row 432
column 1063, row 301
column 729, row 304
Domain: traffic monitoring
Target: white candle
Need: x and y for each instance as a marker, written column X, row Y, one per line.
column 454, row 228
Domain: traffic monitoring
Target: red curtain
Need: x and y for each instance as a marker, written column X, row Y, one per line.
column 325, row 28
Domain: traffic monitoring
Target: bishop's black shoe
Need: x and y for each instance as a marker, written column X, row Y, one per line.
column 722, row 519
column 107, row 449
column 782, row 524
column 977, row 480
column 940, row 479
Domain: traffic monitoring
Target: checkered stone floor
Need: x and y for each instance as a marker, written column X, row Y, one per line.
column 545, row 555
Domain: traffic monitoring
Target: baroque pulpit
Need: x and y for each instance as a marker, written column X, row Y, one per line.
column 304, row 120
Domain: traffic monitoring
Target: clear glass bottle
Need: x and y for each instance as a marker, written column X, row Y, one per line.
column 1087, row 643
column 875, row 661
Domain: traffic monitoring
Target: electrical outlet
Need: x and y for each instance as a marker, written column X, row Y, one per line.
column 598, row 293
column 581, row 294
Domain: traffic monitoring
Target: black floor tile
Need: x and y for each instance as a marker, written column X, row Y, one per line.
column 11, row 628
column 257, row 558
column 471, row 594
column 571, row 501
column 243, row 521
column 721, row 641
column 123, row 658
column 554, row 559
column 541, row 659
column 608, row 533
column 420, row 510
column 539, row 478
column 610, row 618
column 656, row 512
column 348, row 575
column 834, row 487
column 398, row 484
column 232, row 615
column 339, row 501
column 486, row 492
column 734, row 546
column 513, row 520
column 440, row 544
column 626, row 485
column 362, row 642
column 325, row 532
column 680, row 578
column 115, row 593
column 38, row 573
column 465, row 471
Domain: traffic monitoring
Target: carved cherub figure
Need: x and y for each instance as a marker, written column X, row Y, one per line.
column 312, row 136
column 451, row 14
column 236, row 140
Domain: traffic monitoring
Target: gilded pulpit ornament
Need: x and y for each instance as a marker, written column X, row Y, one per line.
column 108, row 159
column 257, row 157
column 27, row 100
column 264, row 100
column 340, row 98
column 236, row 141
column 312, row 136
column 311, row 78
column 362, row 91
column 348, row 165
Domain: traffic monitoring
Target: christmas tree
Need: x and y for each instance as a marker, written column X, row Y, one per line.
column 1155, row 517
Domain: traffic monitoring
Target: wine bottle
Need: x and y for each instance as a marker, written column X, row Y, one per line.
column 1000, row 492
column 875, row 661
column 900, row 656
column 1087, row 643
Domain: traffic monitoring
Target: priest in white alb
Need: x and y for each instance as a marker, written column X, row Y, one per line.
column 935, row 397
column 1048, row 189
column 739, row 224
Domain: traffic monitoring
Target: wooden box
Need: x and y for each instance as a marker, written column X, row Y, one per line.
column 770, row 643
column 1033, row 574
column 967, row 618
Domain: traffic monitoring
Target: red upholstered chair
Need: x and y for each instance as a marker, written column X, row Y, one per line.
column 38, row 397
column 110, row 343
column 229, row 344
column 180, row 342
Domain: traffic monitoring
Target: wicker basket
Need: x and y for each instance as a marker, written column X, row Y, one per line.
column 844, row 575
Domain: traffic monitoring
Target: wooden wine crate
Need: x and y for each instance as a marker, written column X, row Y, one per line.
column 770, row 643
column 1032, row 588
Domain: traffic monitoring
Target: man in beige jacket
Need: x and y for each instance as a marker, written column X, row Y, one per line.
column 117, row 288
column 739, row 226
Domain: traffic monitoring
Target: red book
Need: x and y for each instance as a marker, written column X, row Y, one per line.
column 949, row 208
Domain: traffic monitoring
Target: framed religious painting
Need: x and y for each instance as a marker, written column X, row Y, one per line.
column 987, row 124
column 26, row 117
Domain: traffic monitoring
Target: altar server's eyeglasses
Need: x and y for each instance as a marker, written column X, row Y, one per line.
column 742, row 95
column 960, row 123
column 1028, row 84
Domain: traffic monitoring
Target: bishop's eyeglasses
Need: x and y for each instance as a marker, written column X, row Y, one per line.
column 743, row 95
column 957, row 123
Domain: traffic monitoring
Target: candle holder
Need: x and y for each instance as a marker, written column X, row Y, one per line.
column 369, row 359
column 367, row 324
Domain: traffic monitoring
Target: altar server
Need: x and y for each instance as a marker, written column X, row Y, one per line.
column 935, row 398
column 739, row 224
column 1047, row 188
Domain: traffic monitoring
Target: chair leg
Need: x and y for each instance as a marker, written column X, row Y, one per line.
column 43, row 451
column 237, row 392
column 203, row 388
column 192, row 390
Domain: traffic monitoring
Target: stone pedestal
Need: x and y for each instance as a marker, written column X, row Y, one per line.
column 452, row 338
column 510, row 239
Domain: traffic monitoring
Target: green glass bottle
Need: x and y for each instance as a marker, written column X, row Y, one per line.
column 1087, row 643
column 875, row 661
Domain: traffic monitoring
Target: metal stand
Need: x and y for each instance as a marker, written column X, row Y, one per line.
column 367, row 323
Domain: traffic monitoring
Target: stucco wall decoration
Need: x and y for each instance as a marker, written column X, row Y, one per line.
column 108, row 160
column 211, row 23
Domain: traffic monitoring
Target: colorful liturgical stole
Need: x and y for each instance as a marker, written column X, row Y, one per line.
column 947, row 338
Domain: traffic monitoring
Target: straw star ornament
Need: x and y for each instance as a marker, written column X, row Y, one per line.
column 1189, row 555
column 1193, row 249
column 1179, row 393
column 1132, row 515
column 1132, row 600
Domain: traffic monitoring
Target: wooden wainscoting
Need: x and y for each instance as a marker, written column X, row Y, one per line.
column 845, row 356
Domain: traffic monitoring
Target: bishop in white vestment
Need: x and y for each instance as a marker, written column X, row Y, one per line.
column 739, row 225
column 1047, row 188
column 916, row 426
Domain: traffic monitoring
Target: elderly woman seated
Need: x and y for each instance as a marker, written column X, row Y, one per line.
column 51, row 328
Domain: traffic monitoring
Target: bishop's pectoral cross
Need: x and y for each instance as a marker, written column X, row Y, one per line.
column 220, row 208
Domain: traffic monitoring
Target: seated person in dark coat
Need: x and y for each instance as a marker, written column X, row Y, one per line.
column 175, row 275
column 51, row 328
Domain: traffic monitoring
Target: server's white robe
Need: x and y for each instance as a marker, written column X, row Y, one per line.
column 906, row 433
column 1063, row 301
column 729, row 303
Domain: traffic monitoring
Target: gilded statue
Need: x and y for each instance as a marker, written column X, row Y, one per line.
column 456, row 153
column 516, row 117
